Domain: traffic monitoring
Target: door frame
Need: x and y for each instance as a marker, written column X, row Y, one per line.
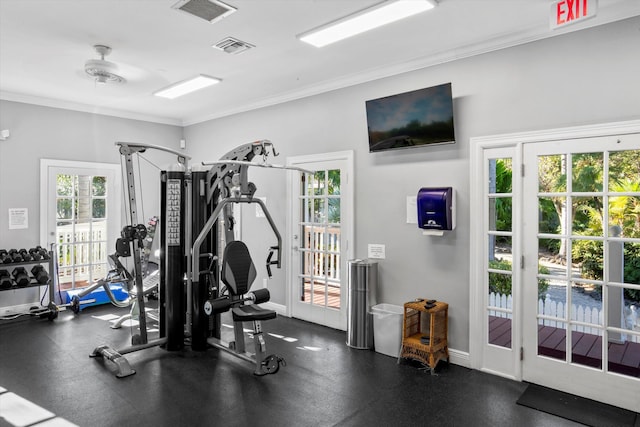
column 477, row 329
column 47, row 197
column 347, row 218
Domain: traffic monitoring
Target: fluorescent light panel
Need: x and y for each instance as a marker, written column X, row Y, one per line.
column 365, row 20
column 187, row 86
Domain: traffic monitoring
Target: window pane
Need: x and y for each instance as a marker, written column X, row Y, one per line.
column 334, row 181
column 552, row 336
column 334, row 210
column 624, row 213
column 499, row 326
column 500, row 253
column 319, row 213
column 631, row 271
column 500, row 175
column 500, row 284
column 624, row 174
column 587, row 216
column 552, row 172
column 586, row 304
column 64, row 185
column 550, row 259
column 65, row 254
column 586, row 346
column 99, row 209
column 500, row 213
column 554, row 302
column 81, row 254
column 98, row 252
column 99, row 186
column 64, row 208
column 318, row 183
column 306, row 210
column 551, row 210
column 587, row 172
column 589, row 256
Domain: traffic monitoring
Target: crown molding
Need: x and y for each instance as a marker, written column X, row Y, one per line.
column 93, row 109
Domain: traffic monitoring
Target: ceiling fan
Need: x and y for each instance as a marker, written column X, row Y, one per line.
column 102, row 71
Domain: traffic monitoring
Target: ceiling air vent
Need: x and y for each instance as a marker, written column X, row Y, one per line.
column 232, row 46
column 209, row 10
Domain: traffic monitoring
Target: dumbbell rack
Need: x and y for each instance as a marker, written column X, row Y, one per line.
column 50, row 311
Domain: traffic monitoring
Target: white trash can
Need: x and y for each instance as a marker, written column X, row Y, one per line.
column 387, row 328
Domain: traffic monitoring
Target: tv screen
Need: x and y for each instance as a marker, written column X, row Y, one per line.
column 411, row 119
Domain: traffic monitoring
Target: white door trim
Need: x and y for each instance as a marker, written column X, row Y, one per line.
column 347, row 156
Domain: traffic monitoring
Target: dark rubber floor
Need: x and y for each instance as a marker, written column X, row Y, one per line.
column 325, row 382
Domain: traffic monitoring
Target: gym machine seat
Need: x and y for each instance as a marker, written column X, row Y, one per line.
column 238, row 274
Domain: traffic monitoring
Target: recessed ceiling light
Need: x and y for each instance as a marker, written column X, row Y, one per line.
column 365, row 20
column 187, row 86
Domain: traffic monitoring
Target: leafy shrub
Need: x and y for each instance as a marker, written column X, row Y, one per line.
column 501, row 283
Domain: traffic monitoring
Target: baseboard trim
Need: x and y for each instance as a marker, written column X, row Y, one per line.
column 460, row 358
column 278, row 308
column 17, row 309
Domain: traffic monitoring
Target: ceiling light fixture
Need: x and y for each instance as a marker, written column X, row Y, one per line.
column 365, row 20
column 187, row 86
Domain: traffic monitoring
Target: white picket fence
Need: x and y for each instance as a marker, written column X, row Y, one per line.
column 579, row 313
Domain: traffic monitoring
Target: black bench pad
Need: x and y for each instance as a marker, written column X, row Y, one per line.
column 249, row 313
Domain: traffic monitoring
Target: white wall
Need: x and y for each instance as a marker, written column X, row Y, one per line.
column 586, row 77
column 42, row 132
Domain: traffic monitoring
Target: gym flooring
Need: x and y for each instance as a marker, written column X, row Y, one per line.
column 325, row 383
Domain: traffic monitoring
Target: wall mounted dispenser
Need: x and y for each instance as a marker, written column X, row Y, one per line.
column 436, row 210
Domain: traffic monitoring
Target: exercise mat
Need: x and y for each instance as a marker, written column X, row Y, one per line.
column 575, row 408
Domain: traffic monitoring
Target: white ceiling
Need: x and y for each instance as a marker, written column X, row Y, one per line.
column 45, row 43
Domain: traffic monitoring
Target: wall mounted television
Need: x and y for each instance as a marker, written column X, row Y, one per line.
column 412, row 119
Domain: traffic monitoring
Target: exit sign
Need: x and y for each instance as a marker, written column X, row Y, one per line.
column 567, row 12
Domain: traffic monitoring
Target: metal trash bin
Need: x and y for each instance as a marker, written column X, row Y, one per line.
column 362, row 281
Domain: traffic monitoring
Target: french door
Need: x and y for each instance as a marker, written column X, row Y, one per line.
column 80, row 214
column 320, row 228
column 555, row 276
column 581, row 277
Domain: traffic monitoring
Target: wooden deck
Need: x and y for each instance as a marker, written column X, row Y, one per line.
column 332, row 297
column 586, row 348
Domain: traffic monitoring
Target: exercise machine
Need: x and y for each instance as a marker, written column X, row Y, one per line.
column 121, row 278
column 204, row 271
column 131, row 243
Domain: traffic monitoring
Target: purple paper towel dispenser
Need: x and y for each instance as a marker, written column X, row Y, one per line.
column 436, row 208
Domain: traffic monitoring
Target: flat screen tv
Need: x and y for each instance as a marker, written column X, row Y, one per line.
column 412, row 119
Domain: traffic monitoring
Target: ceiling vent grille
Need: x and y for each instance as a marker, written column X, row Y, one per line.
column 232, row 46
column 209, row 10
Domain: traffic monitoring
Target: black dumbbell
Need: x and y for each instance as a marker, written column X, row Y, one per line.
column 5, row 280
column 4, row 257
column 14, row 255
column 35, row 254
column 40, row 274
column 43, row 252
column 26, row 256
column 21, row 277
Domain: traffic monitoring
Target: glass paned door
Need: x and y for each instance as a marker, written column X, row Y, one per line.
column 500, row 267
column 81, row 216
column 81, row 229
column 582, row 228
column 321, row 218
column 320, row 278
